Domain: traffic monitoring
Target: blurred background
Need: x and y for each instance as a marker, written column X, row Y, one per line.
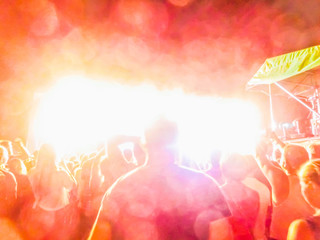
column 204, row 47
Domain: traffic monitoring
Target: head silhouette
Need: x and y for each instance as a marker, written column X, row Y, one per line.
column 309, row 176
column 162, row 135
column 234, row 166
column 47, row 156
column 161, row 142
column 17, row 167
column 293, row 157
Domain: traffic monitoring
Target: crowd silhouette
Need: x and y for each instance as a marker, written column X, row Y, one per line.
column 146, row 192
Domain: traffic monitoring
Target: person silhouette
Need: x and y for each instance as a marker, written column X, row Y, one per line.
column 161, row 200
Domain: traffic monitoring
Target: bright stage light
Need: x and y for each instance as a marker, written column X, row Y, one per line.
column 208, row 124
column 78, row 113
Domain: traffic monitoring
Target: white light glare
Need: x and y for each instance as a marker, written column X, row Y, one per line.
column 77, row 114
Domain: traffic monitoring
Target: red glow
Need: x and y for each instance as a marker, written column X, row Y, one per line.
column 204, row 47
column 180, row 3
column 143, row 17
column 46, row 21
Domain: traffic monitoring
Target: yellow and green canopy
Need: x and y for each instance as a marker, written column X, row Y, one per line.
column 297, row 71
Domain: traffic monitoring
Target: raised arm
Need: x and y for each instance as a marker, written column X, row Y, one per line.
column 24, row 151
column 277, row 178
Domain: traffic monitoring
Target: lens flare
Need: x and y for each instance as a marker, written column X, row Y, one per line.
column 78, row 114
column 209, row 124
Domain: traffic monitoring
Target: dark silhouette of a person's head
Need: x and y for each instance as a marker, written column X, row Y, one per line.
column 162, row 135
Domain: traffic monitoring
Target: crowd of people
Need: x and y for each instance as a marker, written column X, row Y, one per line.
column 146, row 192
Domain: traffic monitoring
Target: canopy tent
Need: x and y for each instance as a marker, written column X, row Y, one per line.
column 298, row 71
column 299, row 74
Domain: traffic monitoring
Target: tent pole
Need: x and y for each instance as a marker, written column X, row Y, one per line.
column 290, row 94
column 271, row 109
